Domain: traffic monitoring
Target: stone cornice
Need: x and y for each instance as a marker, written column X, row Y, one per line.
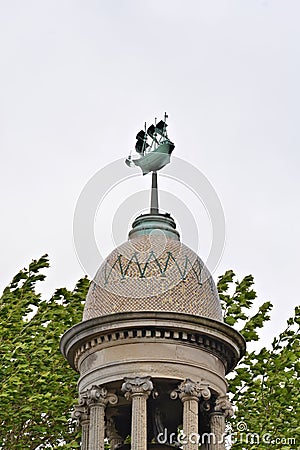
column 114, row 329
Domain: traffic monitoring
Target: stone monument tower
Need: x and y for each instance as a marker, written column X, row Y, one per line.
column 152, row 350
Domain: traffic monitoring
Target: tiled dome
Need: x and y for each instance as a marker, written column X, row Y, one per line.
column 153, row 271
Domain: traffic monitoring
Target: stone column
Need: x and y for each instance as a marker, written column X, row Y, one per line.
column 82, row 417
column 138, row 389
column 190, row 392
column 222, row 410
column 97, row 399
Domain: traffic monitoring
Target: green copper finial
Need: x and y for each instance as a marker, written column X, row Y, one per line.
column 154, row 156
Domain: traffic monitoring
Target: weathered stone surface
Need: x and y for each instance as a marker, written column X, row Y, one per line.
column 97, row 399
column 217, row 428
column 138, row 389
column 224, row 406
column 190, row 393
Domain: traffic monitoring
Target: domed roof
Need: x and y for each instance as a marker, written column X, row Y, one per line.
column 153, row 271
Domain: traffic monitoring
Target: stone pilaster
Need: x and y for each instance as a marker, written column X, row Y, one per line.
column 138, row 389
column 222, row 410
column 97, row 399
column 190, row 393
column 82, row 417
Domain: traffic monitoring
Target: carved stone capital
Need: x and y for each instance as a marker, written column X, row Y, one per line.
column 80, row 414
column 138, row 386
column 224, row 406
column 98, row 395
column 189, row 389
column 83, row 399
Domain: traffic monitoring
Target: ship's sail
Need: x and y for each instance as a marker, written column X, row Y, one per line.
column 141, row 144
column 141, row 136
column 152, row 133
column 161, row 128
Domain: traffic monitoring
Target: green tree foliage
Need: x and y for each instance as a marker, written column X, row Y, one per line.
column 38, row 388
column 265, row 387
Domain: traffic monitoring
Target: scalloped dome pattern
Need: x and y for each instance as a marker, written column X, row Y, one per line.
column 153, row 273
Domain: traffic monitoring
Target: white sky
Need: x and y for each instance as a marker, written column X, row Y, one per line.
column 78, row 79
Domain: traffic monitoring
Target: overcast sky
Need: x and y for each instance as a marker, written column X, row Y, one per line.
column 78, row 80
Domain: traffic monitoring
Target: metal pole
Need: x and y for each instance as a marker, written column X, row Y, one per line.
column 154, row 195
